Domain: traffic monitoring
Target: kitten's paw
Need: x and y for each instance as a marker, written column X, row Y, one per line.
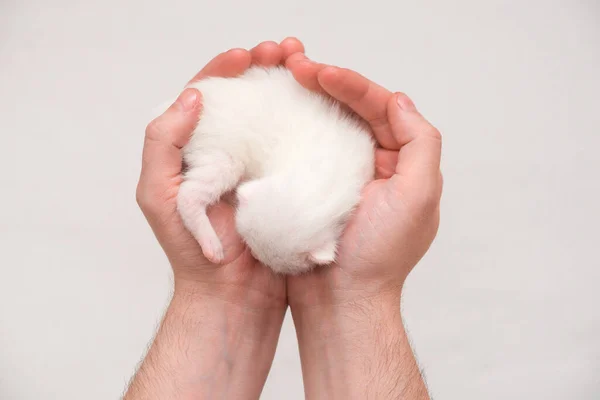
column 212, row 250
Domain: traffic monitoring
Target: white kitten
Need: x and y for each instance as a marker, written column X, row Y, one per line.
column 301, row 163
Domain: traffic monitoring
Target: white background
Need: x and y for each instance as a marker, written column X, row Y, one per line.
column 504, row 306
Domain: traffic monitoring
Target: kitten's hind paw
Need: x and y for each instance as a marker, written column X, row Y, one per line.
column 212, row 250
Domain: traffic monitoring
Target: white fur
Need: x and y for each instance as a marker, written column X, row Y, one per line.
column 299, row 160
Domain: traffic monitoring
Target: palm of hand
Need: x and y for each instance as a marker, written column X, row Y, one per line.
column 385, row 238
column 386, row 233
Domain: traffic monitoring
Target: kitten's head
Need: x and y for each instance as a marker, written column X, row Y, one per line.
column 283, row 227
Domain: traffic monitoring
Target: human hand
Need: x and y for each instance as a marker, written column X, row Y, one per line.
column 347, row 316
column 219, row 333
column 398, row 216
column 239, row 278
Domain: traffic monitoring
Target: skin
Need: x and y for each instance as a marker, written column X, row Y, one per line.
column 347, row 316
column 219, row 333
column 350, row 332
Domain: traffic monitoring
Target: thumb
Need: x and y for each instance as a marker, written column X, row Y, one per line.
column 418, row 167
column 165, row 136
column 420, row 142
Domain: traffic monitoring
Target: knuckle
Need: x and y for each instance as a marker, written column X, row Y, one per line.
column 268, row 43
column 402, row 96
column 426, row 202
column 405, row 100
column 155, row 128
column 140, row 196
column 434, row 133
column 145, row 200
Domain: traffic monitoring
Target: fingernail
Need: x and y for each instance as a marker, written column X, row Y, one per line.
column 188, row 99
column 405, row 103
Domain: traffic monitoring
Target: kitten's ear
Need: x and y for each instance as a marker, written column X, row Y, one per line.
column 324, row 255
column 245, row 190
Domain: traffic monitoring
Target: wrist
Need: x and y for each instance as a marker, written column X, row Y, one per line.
column 336, row 287
column 255, row 291
column 207, row 347
column 357, row 350
column 210, row 307
column 332, row 322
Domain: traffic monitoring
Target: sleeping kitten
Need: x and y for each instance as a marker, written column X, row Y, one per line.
column 300, row 162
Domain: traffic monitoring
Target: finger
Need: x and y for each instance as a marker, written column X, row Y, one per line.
column 165, row 136
column 385, row 163
column 305, row 71
column 228, row 64
column 289, row 46
column 364, row 97
column 421, row 145
column 266, row 54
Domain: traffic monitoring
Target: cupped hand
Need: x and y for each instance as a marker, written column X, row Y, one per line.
column 239, row 278
column 398, row 216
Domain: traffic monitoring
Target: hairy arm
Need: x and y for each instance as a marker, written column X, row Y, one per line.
column 207, row 348
column 357, row 350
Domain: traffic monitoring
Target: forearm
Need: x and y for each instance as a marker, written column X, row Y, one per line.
column 207, row 348
column 357, row 351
